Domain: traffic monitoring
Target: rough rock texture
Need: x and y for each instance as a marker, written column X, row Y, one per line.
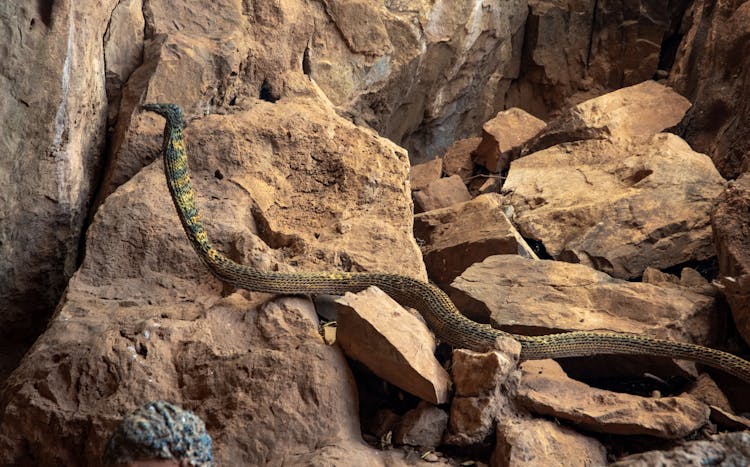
column 421, row 175
column 617, row 206
column 711, row 71
column 705, row 390
column 460, row 235
column 531, row 443
column 731, row 224
column 545, row 389
column 635, row 112
column 393, row 343
column 441, row 193
column 422, row 426
column 457, row 160
column 484, row 385
column 143, row 319
column 726, row 449
column 504, row 136
column 53, row 114
column 531, row 297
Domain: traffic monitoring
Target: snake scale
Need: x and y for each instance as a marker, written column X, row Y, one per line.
column 437, row 309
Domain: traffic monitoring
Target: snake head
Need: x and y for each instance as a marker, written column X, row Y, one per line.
column 171, row 112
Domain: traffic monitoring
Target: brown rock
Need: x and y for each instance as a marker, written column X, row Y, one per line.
column 617, row 206
column 393, row 343
column 441, row 194
column 503, row 137
column 731, row 224
column 421, row 175
column 707, row 71
column 531, row 443
column 728, row 420
column 545, row 389
column 457, row 160
column 422, row 426
column 455, row 237
column 143, row 319
column 123, row 49
column 483, row 383
column 705, row 390
column 731, row 449
column 635, row 112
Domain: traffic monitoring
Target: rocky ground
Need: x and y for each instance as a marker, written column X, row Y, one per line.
column 552, row 165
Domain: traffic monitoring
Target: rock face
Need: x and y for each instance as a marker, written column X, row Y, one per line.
column 504, row 136
column 617, row 206
column 731, row 225
column 531, row 443
column 710, row 72
column 53, row 114
column 143, row 319
column 729, row 449
column 546, row 390
column 393, row 343
column 458, row 236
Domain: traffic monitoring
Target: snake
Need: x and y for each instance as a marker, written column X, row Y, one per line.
column 438, row 311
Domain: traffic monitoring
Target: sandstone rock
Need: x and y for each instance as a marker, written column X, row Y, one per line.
column 393, row 343
column 730, row 449
column 143, row 319
column 540, row 442
column 458, row 160
column 455, row 237
column 532, row 297
column 727, row 420
column 708, row 71
column 731, row 225
column 617, row 206
column 705, row 390
column 484, row 382
column 503, row 137
column 422, row 426
column 421, row 175
column 441, row 193
column 53, row 114
column 123, row 49
column 635, row 112
column 545, row 389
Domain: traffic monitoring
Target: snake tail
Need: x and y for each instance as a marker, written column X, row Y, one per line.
column 439, row 312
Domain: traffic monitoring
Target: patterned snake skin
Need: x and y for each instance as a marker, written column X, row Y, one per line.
column 438, row 311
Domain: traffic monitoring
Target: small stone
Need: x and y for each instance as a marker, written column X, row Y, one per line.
column 545, row 389
column 430, row 457
column 393, row 343
column 421, row 175
column 532, row 443
column 422, row 426
column 503, row 137
column 441, row 193
column 457, row 160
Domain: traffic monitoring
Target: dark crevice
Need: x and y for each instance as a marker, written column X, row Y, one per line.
column 591, row 33
column 44, row 10
column 266, row 92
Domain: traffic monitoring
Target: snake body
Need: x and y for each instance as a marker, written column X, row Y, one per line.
column 440, row 314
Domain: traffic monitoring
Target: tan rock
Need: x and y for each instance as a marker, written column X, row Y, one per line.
column 123, row 49
column 476, row 373
column 731, row 448
column 635, row 112
column 455, row 237
column 441, row 193
column 531, row 443
column 421, row 175
column 422, row 426
column 393, row 343
column 458, row 160
column 617, row 206
column 546, row 390
column 503, row 137
column 730, row 220
column 707, row 72
column 728, row 420
column 705, row 390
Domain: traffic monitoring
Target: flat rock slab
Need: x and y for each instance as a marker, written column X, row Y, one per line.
column 726, row 449
column 618, row 206
column 731, row 223
column 540, row 296
column 545, row 389
column 393, row 343
column 455, row 237
column 634, row 112
column 533, row 443
column 504, row 136
column 441, row 193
